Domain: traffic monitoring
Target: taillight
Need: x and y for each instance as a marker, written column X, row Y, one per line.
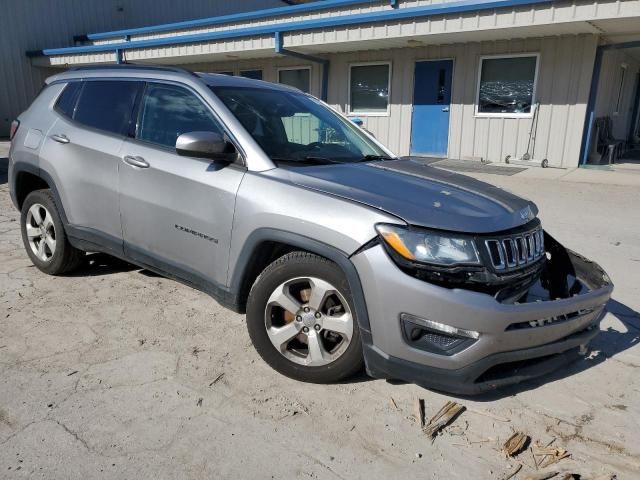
column 14, row 129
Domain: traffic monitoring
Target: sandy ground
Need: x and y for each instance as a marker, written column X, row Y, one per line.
column 109, row 373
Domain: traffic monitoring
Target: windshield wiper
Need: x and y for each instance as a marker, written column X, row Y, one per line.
column 368, row 158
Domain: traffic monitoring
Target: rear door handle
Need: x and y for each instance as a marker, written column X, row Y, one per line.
column 59, row 138
column 136, row 161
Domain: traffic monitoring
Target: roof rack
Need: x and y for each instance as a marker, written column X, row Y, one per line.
column 132, row 66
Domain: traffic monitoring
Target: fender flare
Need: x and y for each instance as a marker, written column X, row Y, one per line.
column 20, row 167
column 311, row 245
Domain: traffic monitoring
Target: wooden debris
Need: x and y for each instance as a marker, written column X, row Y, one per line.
column 546, row 456
column 217, row 379
column 199, row 402
column 420, row 412
column 72, row 373
column 515, row 444
column 513, row 472
column 488, row 414
column 393, row 402
column 542, row 476
column 444, row 417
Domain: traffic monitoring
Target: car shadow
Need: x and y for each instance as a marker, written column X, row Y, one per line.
column 97, row 264
column 4, row 171
column 607, row 344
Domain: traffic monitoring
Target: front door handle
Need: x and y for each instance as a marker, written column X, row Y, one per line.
column 136, row 161
column 59, row 138
column 445, row 109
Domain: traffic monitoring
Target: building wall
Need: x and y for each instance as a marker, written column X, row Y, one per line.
column 608, row 88
column 564, row 77
column 35, row 24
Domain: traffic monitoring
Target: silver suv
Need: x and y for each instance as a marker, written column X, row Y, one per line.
column 341, row 254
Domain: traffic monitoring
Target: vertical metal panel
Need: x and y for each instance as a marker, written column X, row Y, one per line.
column 36, row 24
column 608, row 89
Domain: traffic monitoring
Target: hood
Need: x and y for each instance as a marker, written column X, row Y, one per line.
column 419, row 194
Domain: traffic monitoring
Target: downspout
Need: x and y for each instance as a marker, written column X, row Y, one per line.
column 277, row 37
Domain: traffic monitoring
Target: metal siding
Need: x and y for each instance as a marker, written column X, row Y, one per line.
column 36, row 24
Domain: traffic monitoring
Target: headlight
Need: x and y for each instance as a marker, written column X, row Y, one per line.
column 428, row 247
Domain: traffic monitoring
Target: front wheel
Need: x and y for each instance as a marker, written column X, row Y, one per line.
column 301, row 319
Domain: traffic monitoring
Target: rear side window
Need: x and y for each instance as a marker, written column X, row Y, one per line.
column 107, row 105
column 168, row 111
column 67, row 101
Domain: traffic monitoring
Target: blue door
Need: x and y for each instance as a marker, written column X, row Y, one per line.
column 431, row 104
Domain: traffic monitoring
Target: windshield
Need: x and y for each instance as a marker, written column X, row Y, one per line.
column 297, row 128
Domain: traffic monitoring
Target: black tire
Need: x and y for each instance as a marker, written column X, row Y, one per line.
column 290, row 266
column 65, row 257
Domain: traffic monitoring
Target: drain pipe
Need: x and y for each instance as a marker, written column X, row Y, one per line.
column 277, row 37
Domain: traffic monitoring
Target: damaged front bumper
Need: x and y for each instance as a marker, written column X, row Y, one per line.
column 467, row 342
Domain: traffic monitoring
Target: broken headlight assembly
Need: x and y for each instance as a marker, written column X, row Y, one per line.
column 456, row 260
column 432, row 248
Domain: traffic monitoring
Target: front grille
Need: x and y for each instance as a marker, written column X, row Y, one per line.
column 516, row 251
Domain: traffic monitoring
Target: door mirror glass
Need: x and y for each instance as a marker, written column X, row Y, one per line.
column 205, row 145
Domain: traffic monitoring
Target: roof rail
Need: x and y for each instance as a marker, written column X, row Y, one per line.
column 132, row 66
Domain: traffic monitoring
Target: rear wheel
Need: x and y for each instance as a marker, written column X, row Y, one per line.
column 300, row 319
column 44, row 237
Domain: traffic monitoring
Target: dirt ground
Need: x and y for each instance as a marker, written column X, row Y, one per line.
column 111, row 373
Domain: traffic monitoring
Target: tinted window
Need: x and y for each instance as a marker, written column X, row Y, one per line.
column 67, row 101
column 369, row 88
column 298, row 78
column 254, row 74
column 506, row 85
column 168, row 111
column 106, row 105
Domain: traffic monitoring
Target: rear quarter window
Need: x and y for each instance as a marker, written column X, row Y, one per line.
column 67, row 100
column 107, row 105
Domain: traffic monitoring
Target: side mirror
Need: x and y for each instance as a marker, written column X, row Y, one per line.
column 205, row 145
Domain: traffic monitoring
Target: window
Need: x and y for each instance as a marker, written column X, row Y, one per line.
column 507, row 85
column 296, row 77
column 294, row 128
column 106, row 105
column 254, row 74
column 369, row 88
column 623, row 71
column 168, row 111
column 66, row 103
column 230, row 74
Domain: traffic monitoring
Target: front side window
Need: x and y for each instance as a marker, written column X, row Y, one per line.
column 296, row 128
column 369, row 88
column 507, row 85
column 168, row 111
column 298, row 78
column 106, row 105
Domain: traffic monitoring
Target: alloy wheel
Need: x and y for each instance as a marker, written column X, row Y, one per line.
column 41, row 232
column 309, row 321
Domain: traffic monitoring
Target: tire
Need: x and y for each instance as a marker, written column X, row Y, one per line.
column 46, row 243
column 306, row 277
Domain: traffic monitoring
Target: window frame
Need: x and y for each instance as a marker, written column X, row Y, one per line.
column 137, row 112
column 303, row 67
column 622, row 77
column 83, row 82
column 534, row 95
column 365, row 113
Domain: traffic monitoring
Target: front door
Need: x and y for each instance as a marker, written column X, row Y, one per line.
column 177, row 211
column 431, row 104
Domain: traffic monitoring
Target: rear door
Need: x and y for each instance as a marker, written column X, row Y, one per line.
column 177, row 211
column 82, row 151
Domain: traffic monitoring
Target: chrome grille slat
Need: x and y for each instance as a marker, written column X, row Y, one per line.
column 515, row 251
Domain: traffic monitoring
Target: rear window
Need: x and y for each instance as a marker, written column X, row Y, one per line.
column 106, row 105
column 67, row 101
